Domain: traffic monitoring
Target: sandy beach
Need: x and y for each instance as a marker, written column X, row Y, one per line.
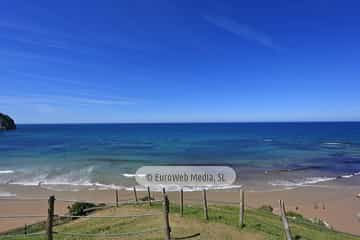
column 337, row 204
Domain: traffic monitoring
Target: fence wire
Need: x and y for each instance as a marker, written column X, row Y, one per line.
column 105, row 205
column 108, row 234
column 23, row 216
column 22, row 235
column 125, row 216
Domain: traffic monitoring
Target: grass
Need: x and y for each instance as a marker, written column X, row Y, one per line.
column 266, row 223
column 222, row 224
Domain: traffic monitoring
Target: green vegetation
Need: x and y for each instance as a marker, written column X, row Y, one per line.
column 266, row 223
column 146, row 198
column 223, row 224
column 78, row 208
column 6, row 122
column 268, row 208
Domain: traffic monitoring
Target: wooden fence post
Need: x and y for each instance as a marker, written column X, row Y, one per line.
column 50, row 219
column 117, row 197
column 181, row 202
column 149, row 195
column 242, row 208
column 284, row 220
column 135, row 194
column 167, row 229
column 25, row 230
column 206, row 216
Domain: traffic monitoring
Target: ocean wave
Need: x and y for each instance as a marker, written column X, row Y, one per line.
column 62, row 180
column 37, row 177
column 309, row 180
column 65, row 186
column 57, row 179
column 334, row 145
column 295, row 169
column 176, row 188
column 298, row 183
column 76, row 187
column 131, row 175
column 6, row 171
column 7, row 194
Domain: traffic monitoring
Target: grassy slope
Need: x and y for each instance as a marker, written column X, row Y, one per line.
column 269, row 225
column 222, row 225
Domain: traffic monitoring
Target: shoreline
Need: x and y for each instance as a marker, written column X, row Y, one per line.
column 259, row 180
column 335, row 203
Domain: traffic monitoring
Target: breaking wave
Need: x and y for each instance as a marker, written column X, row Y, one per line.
column 46, row 177
column 7, row 194
column 309, row 180
column 6, row 171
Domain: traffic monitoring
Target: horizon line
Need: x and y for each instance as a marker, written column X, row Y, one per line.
column 194, row 122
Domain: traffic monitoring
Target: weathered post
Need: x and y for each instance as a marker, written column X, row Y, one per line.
column 25, row 229
column 135, row 194
column 206, row 216
column 284, row 220
column 50, row 219
column 117, row 197
column 167, row 229
column 181, row 202
column 149, row 195
column 242, row 208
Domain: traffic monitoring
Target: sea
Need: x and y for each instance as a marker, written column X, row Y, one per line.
column 106, row 156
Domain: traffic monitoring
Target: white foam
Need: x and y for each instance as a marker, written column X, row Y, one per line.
column 175, row 188
column 351, row 175
column 72, row 178
column 31, row 181
column 130, row 175
column 332, row 143
column 107, row 186
column 81, row 179
column 7, row 194
column 309, row 180
column 298, row 183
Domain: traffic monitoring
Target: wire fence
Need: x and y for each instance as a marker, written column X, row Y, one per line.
column 52, row 218
column 56, row 219
column 111, row 235
column 21, row 235
column 127, row 216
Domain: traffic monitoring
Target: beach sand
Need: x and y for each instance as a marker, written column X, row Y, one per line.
column 337, row 204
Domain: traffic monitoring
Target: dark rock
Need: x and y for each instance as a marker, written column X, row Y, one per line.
column 6, row 122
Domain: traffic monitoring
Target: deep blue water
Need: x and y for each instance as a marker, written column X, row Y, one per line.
column 83, row 154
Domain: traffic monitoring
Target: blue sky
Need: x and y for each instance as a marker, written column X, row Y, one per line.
column 179, row 61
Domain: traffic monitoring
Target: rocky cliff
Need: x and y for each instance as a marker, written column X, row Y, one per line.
column 6, row 122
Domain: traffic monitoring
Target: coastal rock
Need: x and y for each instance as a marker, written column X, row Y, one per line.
column 6, row 122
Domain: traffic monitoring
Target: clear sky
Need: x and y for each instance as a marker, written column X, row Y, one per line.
column 180, row 61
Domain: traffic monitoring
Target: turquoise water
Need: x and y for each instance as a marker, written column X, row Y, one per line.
column 105, row 155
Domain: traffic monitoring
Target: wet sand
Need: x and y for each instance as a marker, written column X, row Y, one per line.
column 337, row 204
